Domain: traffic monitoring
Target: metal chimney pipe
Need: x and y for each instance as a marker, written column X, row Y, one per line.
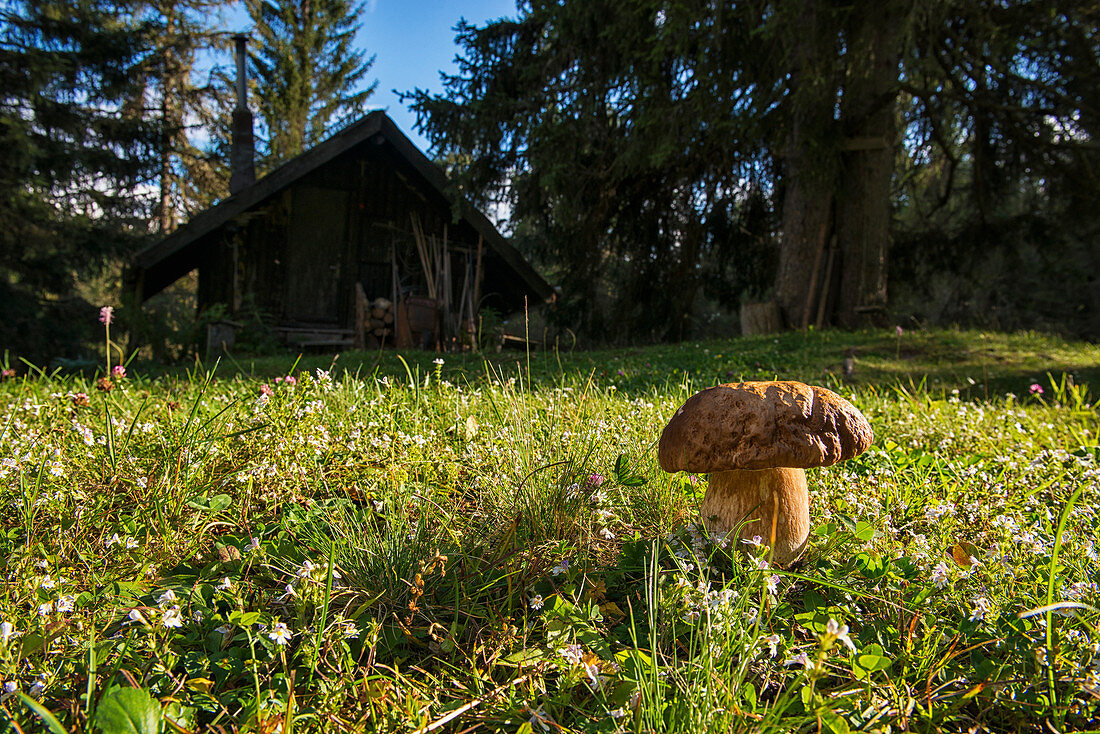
column 242, row 165
column 241, row 42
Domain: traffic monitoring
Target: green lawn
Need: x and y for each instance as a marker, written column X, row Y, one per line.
column 393, row 544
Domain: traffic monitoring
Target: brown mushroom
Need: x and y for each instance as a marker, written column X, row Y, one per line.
column 756, row 439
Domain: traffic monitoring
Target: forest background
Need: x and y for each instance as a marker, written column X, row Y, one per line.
column 664, row 163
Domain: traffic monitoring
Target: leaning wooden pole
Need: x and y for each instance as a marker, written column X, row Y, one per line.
column 826, row 286
column 807, row 310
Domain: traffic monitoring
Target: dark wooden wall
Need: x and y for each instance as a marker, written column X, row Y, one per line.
column 298, row 255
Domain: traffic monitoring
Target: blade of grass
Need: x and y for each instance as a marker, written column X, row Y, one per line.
column 324, row 609
column 1051, row 577
column 43, row 713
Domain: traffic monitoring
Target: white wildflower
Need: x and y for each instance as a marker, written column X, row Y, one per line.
column 935, row 512
column 840, row 633
column 595, row 681
column 801, row 659
column 982, row 606
column 38, row 686
column 572, row 653
column 280, row 633
column 940, row 576
column 172, row 617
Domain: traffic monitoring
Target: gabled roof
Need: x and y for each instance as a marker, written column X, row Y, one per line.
column 162, row 263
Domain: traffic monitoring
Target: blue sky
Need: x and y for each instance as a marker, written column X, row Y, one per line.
column 412, row 41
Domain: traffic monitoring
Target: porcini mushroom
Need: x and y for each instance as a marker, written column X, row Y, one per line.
column 756, row 439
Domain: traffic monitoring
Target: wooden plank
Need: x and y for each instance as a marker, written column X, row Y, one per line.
column 326, row 343
column 307, row 329
column 402, row 330
column 315, row 255
column 820, row 250
column 826, row 287
column 360, row 316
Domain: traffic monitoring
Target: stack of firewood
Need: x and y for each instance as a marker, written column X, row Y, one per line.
column 378, row 321
column 373, row 319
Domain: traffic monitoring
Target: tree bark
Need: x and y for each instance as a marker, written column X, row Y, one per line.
column 810, row 161
column 863, row 207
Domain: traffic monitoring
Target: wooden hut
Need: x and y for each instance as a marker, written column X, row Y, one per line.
column 354, row 242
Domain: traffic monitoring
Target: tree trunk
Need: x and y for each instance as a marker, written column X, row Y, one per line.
column 810, row 163
column 164, row 207
column 760, row 318
column 868, row 110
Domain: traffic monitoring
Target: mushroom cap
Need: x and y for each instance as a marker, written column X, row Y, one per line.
column 762, row 425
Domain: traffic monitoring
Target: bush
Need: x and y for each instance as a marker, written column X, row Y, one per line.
column 1021, row 272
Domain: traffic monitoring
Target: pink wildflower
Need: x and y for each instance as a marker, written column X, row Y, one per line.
column 899, row 331
column 6, row 373
column 1035, row 389
column 266, row 390
column 595, row 480
column 118, row 371
column 106, row 315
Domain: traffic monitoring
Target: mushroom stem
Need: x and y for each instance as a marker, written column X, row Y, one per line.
column 771, row 501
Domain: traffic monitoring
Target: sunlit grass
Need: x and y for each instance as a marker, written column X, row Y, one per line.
column 392, row 544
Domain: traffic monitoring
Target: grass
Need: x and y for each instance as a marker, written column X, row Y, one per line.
column 391, row 544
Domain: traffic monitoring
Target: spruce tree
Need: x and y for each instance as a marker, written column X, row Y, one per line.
column 179, row 103
column 78, row 159
column 308, row 74
column 633, row 142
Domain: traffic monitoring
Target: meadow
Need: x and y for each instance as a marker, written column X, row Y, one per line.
column 422, row 542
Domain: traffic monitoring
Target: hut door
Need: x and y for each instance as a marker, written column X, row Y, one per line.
column 315, row 255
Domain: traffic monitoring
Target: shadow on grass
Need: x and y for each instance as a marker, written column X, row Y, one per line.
column 980, row 365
